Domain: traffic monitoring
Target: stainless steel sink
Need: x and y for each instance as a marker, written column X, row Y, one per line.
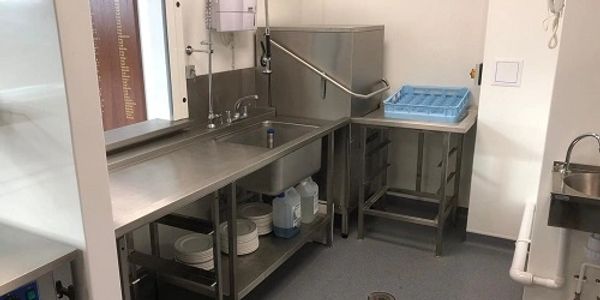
column 585, row 183
column 287, row 171
column 575, row 197
column 256, row 135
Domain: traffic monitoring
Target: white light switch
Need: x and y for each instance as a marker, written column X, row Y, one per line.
column 508, row 72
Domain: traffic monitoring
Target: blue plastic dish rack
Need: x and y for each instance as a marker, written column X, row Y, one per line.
column 432, row 104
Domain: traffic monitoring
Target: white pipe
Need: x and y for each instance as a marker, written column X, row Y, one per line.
column 518, row 269
column 581, row 278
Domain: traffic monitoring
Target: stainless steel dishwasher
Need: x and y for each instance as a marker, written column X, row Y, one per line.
column 352, row 55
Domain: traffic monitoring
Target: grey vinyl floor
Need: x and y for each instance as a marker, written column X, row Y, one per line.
column 396, row 258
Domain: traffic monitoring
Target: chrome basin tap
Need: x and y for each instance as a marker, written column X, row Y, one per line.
column 567, row 166
column 240, row 108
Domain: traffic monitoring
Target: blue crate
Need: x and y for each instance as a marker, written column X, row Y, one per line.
column 425, row 103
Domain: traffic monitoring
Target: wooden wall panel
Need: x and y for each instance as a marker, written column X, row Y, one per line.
column 119, row 62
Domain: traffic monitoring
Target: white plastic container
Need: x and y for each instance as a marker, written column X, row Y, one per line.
column 309, row 195
column 286, row 214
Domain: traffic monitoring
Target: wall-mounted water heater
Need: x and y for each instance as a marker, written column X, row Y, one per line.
column 233, row 15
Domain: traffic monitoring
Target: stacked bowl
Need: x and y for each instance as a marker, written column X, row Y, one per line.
column 195, row 250
column 247, row 237
column 259, row 213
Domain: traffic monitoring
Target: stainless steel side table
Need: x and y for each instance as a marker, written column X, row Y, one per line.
column 378, row 140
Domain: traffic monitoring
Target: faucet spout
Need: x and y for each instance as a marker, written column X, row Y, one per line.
column 240, row 101
column 566, row 169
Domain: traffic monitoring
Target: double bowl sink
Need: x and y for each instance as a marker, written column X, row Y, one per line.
column 575, row 197
column 286, row 171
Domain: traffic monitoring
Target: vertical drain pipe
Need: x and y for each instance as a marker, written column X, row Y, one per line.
column 518, row 268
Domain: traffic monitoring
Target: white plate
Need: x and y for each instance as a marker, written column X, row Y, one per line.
column 256, row 211
column 246, row 230
column 265, row 231
column 245, row 248
column 194, row 248
column 191, row 259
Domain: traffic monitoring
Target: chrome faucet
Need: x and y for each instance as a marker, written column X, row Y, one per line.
column 240, row 109
column 211, row 120
column 567, row 166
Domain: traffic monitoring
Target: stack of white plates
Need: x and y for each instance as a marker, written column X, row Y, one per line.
column 259, row 213
column 247, row 237
column 196, row 250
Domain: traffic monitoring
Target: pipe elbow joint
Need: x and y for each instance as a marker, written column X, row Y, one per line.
column 521, row 276
column 557, row 283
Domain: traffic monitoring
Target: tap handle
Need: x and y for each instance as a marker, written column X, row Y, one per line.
column 263, row 57
column 228, row 116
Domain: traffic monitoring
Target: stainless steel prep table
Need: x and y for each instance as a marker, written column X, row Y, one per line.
column 447, row 205
column 25, row 257
column 147, row 191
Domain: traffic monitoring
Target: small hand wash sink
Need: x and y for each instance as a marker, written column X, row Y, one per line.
column 286, row 171
column 585, row 183
column 575, row 198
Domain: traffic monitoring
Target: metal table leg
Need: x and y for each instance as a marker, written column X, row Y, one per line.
column 441, row 219
column 232, row 240
column 155, row 249
column 385, row 156
column 420, row 145
column 217, row 247
column 154, row 239
column 344, row 202
column 361, row 185
column 330, row 202
column 457, row 177
column 127, row 270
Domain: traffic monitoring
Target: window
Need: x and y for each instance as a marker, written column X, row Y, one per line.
column 131, row 40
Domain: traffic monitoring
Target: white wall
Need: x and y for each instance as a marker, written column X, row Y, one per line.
column 512, row 121
column 575, row 110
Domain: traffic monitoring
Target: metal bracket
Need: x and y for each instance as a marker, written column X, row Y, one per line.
column 190, row 71
column 189, row 50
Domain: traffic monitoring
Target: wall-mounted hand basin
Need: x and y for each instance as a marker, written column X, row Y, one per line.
column 287, row 171
column 575, row 198
column 585, row 183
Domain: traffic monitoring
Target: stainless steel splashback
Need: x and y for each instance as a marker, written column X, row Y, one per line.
column 351, row 54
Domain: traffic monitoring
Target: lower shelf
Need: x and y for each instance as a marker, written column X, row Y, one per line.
column 253, row 268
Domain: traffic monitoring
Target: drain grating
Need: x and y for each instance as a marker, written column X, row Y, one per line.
column 381, row 296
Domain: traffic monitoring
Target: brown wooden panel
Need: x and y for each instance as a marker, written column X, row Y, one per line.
column 118, row 62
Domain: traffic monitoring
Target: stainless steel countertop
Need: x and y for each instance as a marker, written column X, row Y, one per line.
column 377, row 118
column 183, row 172
column 24, row 257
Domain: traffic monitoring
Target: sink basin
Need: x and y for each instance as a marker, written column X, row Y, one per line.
column 575, row 198
column 286, row 171
column 585, row 183
column 256, row 135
